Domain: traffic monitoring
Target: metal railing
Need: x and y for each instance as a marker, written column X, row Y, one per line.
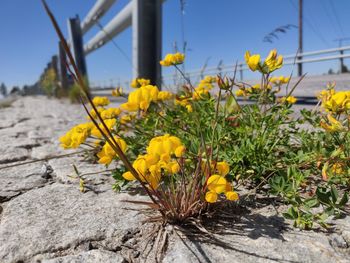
column 288, row 60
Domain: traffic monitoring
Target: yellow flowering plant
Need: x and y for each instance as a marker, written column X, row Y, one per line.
column 191, row 150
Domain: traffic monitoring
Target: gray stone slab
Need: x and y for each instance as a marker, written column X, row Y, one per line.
column 94, row 174
column 17, row 180
column 254, row 237
column 58, row 217
column 92, row 256
column 10, row 155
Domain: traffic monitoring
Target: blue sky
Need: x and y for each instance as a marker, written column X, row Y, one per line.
column 214, row 29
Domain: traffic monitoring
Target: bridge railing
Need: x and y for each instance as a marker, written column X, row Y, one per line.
column 307, row 57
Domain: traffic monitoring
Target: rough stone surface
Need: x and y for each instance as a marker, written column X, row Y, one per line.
column 58, row 217
column 258, row 236
column 96, row 179
column 92, row 256
column 45, row 218
column 15, row 181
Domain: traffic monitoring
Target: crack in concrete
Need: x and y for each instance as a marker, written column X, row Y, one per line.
column 70, row 249
column 4, row 199
column 29, row 146
column 13, row 160
column 14, row 124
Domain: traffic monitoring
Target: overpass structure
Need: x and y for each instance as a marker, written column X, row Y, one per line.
column 145, row 18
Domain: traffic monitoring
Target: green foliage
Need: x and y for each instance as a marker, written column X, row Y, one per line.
column 49, row 82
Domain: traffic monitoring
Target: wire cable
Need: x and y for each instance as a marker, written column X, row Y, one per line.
column 336, row 17
column 114, row 43
column 328, row 14
column 318, row 34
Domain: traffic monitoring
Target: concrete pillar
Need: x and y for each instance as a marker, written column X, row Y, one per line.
column 77, row 45
column 62, row 67
column 147, row 39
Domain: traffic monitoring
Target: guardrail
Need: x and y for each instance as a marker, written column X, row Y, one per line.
column 288, row 60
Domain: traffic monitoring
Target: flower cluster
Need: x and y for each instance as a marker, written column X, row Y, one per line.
column 165, row 95
column 217, row 184
column 76, row 136
column 117, row 92
column 332, row 124
column 335, row 102
column 158, row 160
column 201, row 91
column 184, row 101
column 288, row 100
column 271, row 63
column 204, row 86
column 141, row 98
column 101, row 101
column 107, row 154
column 278, row 81
column 172, row 59
column 139, row 82
column 110, row 124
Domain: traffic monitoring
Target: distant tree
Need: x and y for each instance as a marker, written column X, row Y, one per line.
column 3, row 90
column 15, row 90
column 49, row 82
column 330, row 72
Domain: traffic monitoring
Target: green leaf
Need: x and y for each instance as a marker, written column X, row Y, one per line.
column 291, row 214
column 312, row 202
column 231, row 105
column 323, row 196
column 334, row 194
column 344, row 200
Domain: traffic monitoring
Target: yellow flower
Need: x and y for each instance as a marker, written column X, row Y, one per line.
column 173, row 167
column 128, row 176
column 203, row 88
column 256, row 87
column 289, row 100
column 172, row 59
column 240, row 93
column 117, row 92
column 76, row 136
column 189, row 108
column 279, row 80
column 110, row 113
column 273, row 62
column 184, row 101
column 166, row 145
column 232, row 196
column 209, row 79
column 107, row 154
column 337, row 168
column 223, row 168
column 128, row 106
column 93, row 112
column 141, row 98
column 100, row 101
column 158, row 160
column 325, row 95
column 337, row 102
column 165, row 95
column 127, row 118
column 110, row 123
column 139, row 82
column 179, row 151
column 333, row 126
column 253, row 61
column 217, row 183
column 211, row 197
